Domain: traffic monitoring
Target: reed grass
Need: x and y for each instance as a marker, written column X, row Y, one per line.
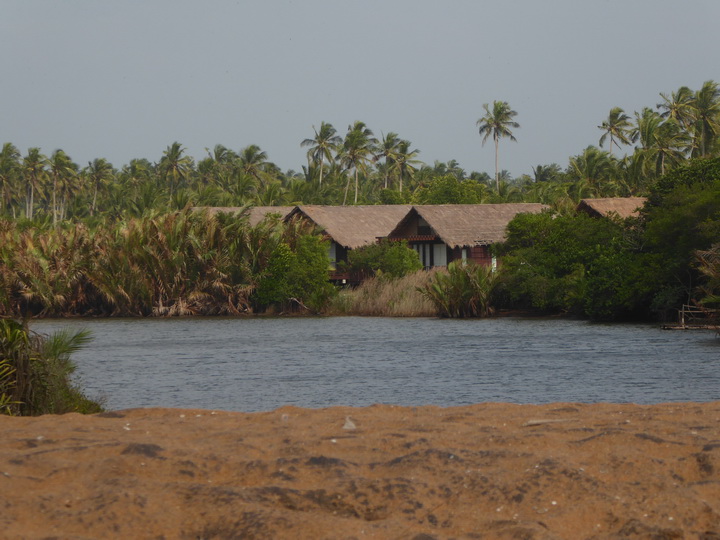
column 464, row 290
column 382, row 296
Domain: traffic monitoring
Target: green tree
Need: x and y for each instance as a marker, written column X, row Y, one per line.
column 404, row 163
column 63, row 173
column 9, row 176
column 594, row 167
column 356, row 152
column 322, row 146
column 34, row 173
column 218, row 167
column 449, row 190
column 549, row 263
column 296, row 277
column 253, row 161
column 387, row 149
column 175, row 167
column 546, row 173
column 679, row 106
column 706, row 106
column 497, row 123
column 98, row 173
column 670, row 146
column 617, row 128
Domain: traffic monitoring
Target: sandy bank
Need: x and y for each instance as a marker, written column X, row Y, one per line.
column 485, row 471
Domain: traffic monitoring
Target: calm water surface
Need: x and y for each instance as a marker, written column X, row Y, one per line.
column 261, row 364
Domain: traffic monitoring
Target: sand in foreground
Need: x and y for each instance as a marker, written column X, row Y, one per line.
column 485, row 471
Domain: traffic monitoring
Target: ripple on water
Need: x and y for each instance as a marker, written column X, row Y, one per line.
column 261, row 364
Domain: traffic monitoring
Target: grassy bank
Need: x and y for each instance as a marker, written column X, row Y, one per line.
column 386, row 297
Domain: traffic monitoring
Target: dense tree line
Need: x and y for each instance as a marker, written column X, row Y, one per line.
column 610, row 269
column 103, row 241
column 361, row 168
column 196, row 263
column 175, row 263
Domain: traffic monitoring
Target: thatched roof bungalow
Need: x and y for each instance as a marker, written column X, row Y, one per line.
column 622, row 207
column 447, row 232
column 351, row 227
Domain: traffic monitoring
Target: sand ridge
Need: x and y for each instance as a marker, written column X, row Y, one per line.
column 492, row 470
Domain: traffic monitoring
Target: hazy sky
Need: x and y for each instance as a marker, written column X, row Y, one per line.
column 125, row 79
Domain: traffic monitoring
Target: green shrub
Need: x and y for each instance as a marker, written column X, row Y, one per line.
column 298, row 277
column 309, row 276
column 35, row 372
column 390, row 258
column 465, row 290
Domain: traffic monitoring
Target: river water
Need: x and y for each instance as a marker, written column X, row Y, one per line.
column 257, row 364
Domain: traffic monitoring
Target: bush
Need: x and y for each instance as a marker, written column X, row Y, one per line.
column 391, row 258
column 465, row 290
column 35, row 372
column 548, row 259
column 296, row 277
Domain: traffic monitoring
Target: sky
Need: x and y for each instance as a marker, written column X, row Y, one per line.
column 126, row 79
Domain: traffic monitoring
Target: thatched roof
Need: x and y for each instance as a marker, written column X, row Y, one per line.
column 255, row 213
column 354, row 226
column 623, row 207
column 460, row 225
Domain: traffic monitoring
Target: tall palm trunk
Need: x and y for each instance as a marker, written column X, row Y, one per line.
column 54, row 201
column 356, row 185
column 347, row 188
column 497, row 173
column 29, row 202
column 94, row 201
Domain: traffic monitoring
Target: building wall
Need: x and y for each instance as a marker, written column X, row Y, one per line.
column 337, row 253
column 477, row 254
column 438, row 254
column 431, row 254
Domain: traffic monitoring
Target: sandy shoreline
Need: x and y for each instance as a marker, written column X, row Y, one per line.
column 483, row 471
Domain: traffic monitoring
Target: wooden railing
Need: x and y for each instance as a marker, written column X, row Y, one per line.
column 698, row 317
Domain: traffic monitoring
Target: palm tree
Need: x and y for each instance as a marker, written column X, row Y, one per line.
column 62, row 172
column 34, row 172
column 387, row 149
column 98, row 172
column 594, row 167
column 404, row 162
column 546, row 173
column 253, row 161
column 497, row 123
column 326, row 142
column 707, row 118
column 174, row 166
column 617, row 127
column 218, row 166
column 679, row 106
column 355, row 152
column 670, row 145
column 662, row 142
column 646, row 123
column 222, row 155
column 9, row 173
